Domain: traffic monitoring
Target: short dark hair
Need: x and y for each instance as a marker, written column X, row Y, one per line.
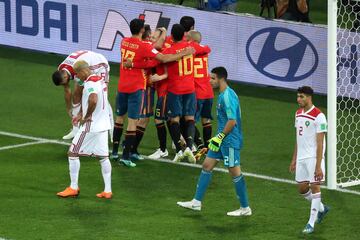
column 147, row 32
column 57, row 77
column 136, row 25
column 177, row 32
column 187, row 22
column 306, row 90
column 220, row 72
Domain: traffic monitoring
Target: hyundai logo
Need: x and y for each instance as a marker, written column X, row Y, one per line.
column 282, row 54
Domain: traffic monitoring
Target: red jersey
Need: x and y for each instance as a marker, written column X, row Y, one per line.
column 203, row 88
column 181, row 72
column 161, row 87
column 133, row 79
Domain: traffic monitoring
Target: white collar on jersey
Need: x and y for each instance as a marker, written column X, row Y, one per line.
column 313, row 106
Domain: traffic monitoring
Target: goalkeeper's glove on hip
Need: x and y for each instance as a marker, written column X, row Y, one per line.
column 215, row 142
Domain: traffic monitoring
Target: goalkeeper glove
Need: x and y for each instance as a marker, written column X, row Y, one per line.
column 215, row 142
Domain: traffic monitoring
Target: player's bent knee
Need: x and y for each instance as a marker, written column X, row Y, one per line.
column 303, row 187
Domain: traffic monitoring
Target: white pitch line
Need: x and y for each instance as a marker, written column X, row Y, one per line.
column 264, row 177
column 33, row 138
column 22, row 145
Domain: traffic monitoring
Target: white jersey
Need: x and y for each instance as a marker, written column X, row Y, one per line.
column 100, row 120
column 308, row 124
column 97, row 62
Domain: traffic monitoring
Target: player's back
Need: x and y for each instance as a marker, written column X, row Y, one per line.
column 133, row 79
column 181, row 72
column 203, row 87
column 97, row 62
column 100, row 120
column 228, row 107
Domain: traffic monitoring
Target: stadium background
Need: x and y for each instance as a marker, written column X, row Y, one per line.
column 144, row 203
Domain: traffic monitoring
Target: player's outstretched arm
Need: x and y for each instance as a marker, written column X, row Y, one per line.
column 128, row 63
column 164, row 58
column 155, row 78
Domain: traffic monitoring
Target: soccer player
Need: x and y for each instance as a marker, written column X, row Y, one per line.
column 204, row 96
column 131, row 86
column 181, row 99
column 92, row 138
column 309, row 153
column 65, row 73
column 225, row 146
column 157, row 40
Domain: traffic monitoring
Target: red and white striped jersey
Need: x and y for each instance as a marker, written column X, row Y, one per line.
column 100, row 120
column 307, row 125
column 97, row 62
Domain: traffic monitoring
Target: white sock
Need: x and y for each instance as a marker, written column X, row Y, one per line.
column 74, row 169
column 75, row 109
column 315, row 205
column 308, row 196
column 74, row 112
column 106, row 173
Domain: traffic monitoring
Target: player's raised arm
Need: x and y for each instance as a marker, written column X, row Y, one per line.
column 164, row 58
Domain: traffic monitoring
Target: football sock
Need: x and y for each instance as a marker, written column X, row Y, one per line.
column 75, row 109
column 202, row 185
column 241, row 192
column 106, row 173
column 308, row 196
column 139, row 135
column 161, row 133
column 197, row 138
column 190, row 133
column 130, row 139
column 207, row 132
column 118, row 129
column 315, row 205
column 183, row 127
column 175, row 135
column 74, row 169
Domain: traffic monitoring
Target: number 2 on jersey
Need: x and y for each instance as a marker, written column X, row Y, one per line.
column 199, row 63
column 301, row 131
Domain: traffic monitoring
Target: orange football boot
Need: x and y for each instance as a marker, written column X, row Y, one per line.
column 106, row 195
column 69, row 192
column 200, row 153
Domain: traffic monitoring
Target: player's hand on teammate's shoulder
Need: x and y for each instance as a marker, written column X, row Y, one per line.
column 188, row 51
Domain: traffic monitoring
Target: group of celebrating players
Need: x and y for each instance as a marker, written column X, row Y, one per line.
column 176, row 69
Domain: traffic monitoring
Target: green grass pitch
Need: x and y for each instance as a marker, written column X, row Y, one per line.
column 144, row 203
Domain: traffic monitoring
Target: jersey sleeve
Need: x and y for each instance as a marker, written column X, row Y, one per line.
column 231, row 105
column 91, row 87
column 149, row 51
column 321, row 124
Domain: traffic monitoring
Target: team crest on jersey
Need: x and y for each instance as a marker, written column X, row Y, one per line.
column 307, row 123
